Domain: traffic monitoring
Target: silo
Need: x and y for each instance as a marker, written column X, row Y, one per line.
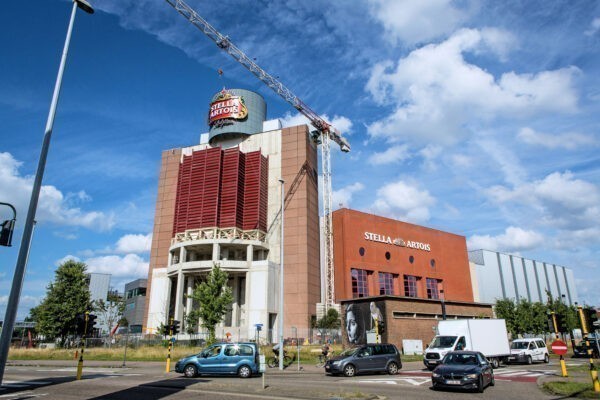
column 235, row 113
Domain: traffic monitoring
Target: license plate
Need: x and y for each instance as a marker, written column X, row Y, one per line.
column 452, row 382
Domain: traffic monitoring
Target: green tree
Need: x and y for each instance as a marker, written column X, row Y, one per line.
column 566, row 316
column 109, row 311
column 506, row 309
column 331, row 320
column 213, row 299
column 66, row 297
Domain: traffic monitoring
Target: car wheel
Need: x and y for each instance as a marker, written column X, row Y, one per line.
column 529, row 360
column 434, row 386
column 190, row 371
column 244, row 371
column 546, row 358
column 480, row 386
column 495, row 363
column 349, row 370
column 392, row 368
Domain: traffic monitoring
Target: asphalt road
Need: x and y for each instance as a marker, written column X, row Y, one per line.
column 149, row 381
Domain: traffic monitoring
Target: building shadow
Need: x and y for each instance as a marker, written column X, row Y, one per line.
column 152, row 390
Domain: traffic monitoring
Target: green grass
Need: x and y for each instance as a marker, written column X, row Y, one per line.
column 572, row 389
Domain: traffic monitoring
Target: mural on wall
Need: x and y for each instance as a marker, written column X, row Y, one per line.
column 360, row 322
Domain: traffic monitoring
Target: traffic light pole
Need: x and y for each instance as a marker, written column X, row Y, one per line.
column 168, row 369
column 593, row 371
column 563, row 366
column 80, row 362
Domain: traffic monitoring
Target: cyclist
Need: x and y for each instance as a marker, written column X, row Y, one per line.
column 325, row 350
column 276, row 350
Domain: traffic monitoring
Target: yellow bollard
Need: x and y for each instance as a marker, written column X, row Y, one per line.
column 563, row 367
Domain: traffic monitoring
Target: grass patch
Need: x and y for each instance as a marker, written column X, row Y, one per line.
column 572, row 389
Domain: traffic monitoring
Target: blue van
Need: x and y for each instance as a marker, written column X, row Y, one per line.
column 239, row 359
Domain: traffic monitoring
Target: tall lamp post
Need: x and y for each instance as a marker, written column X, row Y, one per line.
column 17, row 284
column 281, row 279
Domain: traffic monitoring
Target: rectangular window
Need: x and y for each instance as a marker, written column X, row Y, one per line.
column 386, row 283
column 360, row 287
column 433, row 288
column 410, row 286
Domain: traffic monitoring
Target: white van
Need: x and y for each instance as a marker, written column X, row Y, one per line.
column 528, row 351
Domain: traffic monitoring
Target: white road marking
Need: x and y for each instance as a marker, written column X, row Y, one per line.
column 413, row 381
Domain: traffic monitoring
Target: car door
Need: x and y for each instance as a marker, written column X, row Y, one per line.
column 486, row 369
column 210, row 359
column 363, row 359
column 534, row 351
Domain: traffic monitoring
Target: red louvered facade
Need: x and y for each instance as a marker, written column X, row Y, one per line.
column 222, row 188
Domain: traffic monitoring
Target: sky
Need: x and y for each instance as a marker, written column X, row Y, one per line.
column 473, row 117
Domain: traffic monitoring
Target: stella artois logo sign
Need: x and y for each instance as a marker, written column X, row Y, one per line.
column 226, row 108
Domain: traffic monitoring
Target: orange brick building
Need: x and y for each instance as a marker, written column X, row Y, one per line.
column 401, row 272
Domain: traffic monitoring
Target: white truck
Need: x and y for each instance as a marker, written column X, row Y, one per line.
column 487, row 336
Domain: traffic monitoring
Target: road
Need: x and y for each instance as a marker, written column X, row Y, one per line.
column 150, row 382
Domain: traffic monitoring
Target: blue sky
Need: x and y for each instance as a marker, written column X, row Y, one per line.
column 477, row 118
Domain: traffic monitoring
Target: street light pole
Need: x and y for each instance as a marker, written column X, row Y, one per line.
column 281, row 354
column 17, row 284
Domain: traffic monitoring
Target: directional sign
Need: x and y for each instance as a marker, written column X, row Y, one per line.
column 559, row 347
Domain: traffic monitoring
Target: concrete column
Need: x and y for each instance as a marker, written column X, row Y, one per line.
column 235, row 307
column 189, row 290
column 250, row 254
column 169, row 259
column 216, row 256
column 182, row 254
column 179, row 296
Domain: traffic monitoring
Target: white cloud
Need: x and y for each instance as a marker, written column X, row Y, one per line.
column 512, row 240
column 437, row 96
column 416, row 21
column 430, row 154
column 53, row 206
column 404, row 201
column 343, row 197
column 560, row 200
column 594, row 27
column 66, row 258
column 130, row 265
column 568, row 141
column 134, row 244
column 393, row 155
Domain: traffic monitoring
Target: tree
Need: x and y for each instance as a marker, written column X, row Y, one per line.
column 213, row 299
column 66, row 297
column 109, row 311
column 331, row 320
column 506, row 309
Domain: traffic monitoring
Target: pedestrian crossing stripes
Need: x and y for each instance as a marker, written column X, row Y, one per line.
column 23, row 384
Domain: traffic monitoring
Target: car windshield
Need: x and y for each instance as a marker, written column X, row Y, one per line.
column 519, row 345
column 443, row 341
column 349, row 352
column 460, row 359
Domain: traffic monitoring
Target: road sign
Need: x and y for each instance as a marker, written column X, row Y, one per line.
column 559, row 347
column 596, row 323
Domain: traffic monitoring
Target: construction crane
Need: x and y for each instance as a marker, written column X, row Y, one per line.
column 323, row 134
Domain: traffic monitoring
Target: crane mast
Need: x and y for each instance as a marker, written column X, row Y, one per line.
column 324, row 134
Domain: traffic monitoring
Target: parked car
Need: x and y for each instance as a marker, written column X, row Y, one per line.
column 528, row 351
column 463, row 370
column 580, row 349
column 222, row 359
column 366, row 358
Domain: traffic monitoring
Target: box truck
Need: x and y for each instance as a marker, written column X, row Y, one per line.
column 487, row 336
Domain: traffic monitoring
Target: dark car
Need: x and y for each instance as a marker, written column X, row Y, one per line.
column 463, row 370
column 581, row 349
column 222, row 359
column 364, row 359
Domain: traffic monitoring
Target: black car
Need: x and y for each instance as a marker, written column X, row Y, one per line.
column 580, row 350
column 463, row 370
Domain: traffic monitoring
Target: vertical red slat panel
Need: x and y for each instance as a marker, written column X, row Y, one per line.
column 196, row 189
column 229, row 188
column 183, row 195
column 212, row 179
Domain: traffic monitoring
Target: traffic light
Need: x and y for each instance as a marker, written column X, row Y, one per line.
column 90, row 324
column 590, row 316
column 561, row 323
column 80, row 324
column 164, row 330
column 175, row 327
column 6, row 232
